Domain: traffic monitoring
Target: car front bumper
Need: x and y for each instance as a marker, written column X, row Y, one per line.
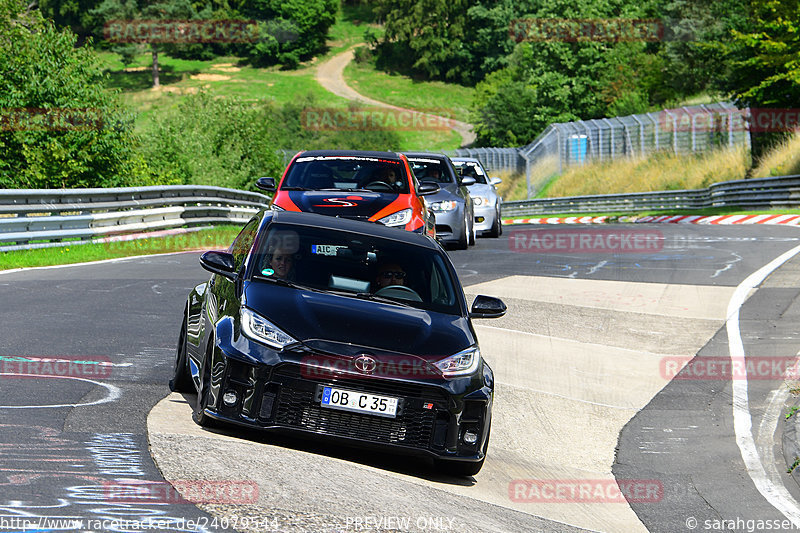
column 484, row 217
column 449, row 225
column 432, row 417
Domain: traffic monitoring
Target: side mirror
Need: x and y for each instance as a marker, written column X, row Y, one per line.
column 495, row 181
column 468, row 180
column 487, row 307
column 219, row 263
column 266, row 184
column 428, row 187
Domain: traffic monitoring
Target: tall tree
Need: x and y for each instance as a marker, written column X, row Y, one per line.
column 126, row 13
column 424, row 36
column 763, row 65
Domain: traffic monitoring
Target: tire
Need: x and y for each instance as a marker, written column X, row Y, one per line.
column 181, row 377
column 463, row 239
column 500, row 218
column 199, row 415
column 472, row 231
column 497, row 225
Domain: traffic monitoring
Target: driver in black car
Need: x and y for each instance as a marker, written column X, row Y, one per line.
column 389, row 274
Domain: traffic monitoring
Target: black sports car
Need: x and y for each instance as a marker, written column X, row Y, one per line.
column 342, row 329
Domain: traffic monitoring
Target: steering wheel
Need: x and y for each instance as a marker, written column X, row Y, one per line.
column 399, row 291
column 380, row 184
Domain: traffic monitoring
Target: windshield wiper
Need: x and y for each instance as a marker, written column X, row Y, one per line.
column 294, row 188
column 345, row 189
column 375, row 297
column 281, row 281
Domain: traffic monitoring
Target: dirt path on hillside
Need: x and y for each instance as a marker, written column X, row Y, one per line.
column 330, row 75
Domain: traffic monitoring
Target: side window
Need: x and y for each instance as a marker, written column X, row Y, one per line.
column 439, row 289
column 243, row 242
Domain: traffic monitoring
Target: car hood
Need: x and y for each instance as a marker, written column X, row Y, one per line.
column 443, row 194
column 344, row 325
column 482, row 189
column 341, row 203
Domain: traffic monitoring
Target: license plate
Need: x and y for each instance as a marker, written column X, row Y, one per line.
column 359, row 402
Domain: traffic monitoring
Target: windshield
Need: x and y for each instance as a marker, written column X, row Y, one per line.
column 430, row 170
column 347, row 173
column 471, row 169
column 359, row 266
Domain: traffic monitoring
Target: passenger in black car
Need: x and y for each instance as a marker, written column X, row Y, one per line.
column 282, row 264
column 282, row 256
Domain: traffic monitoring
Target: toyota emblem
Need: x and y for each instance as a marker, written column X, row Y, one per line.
column 365, row 364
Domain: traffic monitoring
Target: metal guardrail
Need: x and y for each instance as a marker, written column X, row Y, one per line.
column 761, row 193
column 55, row 215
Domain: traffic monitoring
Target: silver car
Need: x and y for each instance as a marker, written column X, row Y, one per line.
column 452, row 205
column 487, row 204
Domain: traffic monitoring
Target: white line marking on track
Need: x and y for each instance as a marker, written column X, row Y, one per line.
column 597, row 267
column 728, row 265
column 775, row 494
column 112, row 395
column 114, row 260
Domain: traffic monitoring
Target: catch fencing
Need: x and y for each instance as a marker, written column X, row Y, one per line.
column 38, row 218
column 690, row 129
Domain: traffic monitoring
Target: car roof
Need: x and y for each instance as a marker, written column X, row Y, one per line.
column 466, row 159
column 428, row 155
column 354, row 226
column 351, row 153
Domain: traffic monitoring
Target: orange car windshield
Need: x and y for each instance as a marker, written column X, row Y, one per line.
column 347, row 174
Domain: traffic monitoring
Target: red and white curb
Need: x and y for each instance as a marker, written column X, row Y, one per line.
column 555, row 220
column 790, row 220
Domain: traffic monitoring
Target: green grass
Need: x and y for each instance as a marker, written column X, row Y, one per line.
column 230, row 77
column 406, row 92
column 214, row 238
column 221, row 77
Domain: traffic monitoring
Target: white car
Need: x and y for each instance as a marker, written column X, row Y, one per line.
column 487, row 204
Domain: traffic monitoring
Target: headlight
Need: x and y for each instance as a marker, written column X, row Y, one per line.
column 460, row 364
column 276, row 207
column 259, row 328
column 480, row 200
column 401, row 218
column 444, row 206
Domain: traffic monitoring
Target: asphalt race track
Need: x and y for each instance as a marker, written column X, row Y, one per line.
column 595, row 394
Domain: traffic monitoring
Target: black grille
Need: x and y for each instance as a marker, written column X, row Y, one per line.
column 298, row 408
column 373, row 385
